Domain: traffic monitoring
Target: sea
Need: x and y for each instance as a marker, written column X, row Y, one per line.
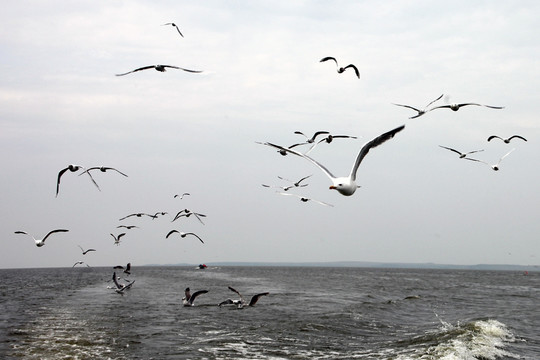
column 309, row 313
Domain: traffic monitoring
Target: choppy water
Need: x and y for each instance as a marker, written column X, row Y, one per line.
column 311, row 313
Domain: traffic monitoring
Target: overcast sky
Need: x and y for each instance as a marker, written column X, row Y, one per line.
column 175, row 132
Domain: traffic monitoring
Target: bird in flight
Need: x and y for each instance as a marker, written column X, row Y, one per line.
column 341, row 69
column 84, row 252
column 305, row 199
column 346, row 185
column 117, row 238
column 495, row 167
column 420, row 111
column 183, row 234
column 161, row 68
column 462, row 155
column 506, row 141
column 80, row 263
column 241, row 302
column 71, row 168
column 456, row 107
column 181, row 196
column 41, row 242
column 102, row 169
column 176, row 27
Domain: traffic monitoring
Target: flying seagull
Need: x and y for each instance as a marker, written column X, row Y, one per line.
column 181, row 196
column 241, row 302
column 328, row 139
column 420, row 111
column 506, row 141
column 341, row 69
column 189, row 298
column 455, row 107
column 102, row 169
column 346, row 185
column 117, row 238
column 129, row 227
column 84, row 252
column 174, row 25
column 462, row 155
column 295, row 184
column 72, row 168
column 80, row 263
column 305, row 199
column 309, row 140
column 137, row 215
column 161, row 68
column 120, row 288
column 496, row 166
column 188, row 213
column 41, row 242
column 183, row 234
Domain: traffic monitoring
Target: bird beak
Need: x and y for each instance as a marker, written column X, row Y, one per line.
column 332, row 187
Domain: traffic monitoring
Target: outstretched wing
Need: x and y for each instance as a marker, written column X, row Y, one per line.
column 494, row 137
column 195, row 294
column 255, row 298
column 188, row 70
column 328, row 58
column 170, row 232
column 195, row 236
column 373, row 143
column 139, row 69
column 52, row 232
column 517, row 136
column 226, row 302
column 353, row 67
column 437, row 99
column 454, row 150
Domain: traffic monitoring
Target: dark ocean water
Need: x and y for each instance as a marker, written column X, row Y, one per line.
column 310, row 313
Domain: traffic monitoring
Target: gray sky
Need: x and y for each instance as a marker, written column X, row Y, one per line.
column 176, row 132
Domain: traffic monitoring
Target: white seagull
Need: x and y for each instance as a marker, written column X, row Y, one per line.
column 305, row 199
column 506, row 141
column 462, row 155
column 346, row 185
column 341, row 69
column 420, row 111
column 183, row 234
column 161, row 68
column 41, row 242
column 241, row 302
column 496, row 166
column 189, row 298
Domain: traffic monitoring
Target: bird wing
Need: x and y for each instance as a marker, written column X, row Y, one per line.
column 474, row 151
column 177, row 29
column 118, row 286
column 119, row 236
column 494, row 137
column 302, row 179
column 407, row 106
column 255, row 298
column 22, row 232
column 139, row 69
column 195, row 236
column 322, row 202
column 491, row 107
column 517, row 136
column 371, row 144
column 454, row 150
column 328, row 58
column 58, row 180
column 118, row 171
column 505, row 155
column 437, row 99
column 440, row 107
column 325, row 170
column 54, row 231
column 318, row 133
column 188, row 70
column 353, row 67
column 170, row 232
column 236, row 291
column 226, row 302
column 198, row 216
column 195, row 294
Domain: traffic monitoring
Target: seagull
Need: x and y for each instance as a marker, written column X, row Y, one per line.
column 84, row 252
column 80, row 263
column 117, row 238
column 455, row 107
column 329, row 139
column 120, row 288
column 161, row 68
column 41, row 242
column 129, row 227
column 463, row 155
column 189, row 298
column 284, row 188
column 159, row 213
column 183, row 234
column 297, row 184
column 137, row 215
column 127, row 269
column 342, row 69
column 174, row 25
column 305, row 199
column 102, row 169
column 309, row 140
column 188, row 213
column 241, row 302
column 496, row 166
column 420, row 111
column 506, row 141
column 346, row 185
column 72, row 168
column 181, row 196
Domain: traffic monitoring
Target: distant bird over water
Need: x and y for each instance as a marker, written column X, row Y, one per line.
column 506, row 141
column 462, row 155
column 420, row 111
column 346, row 185
column 41, row 242
column 176, row 27
column 341, row 69
column 183, row 235
column 161, row 68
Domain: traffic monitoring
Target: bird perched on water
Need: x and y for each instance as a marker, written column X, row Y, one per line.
column 241, row 302
column 174, row 25
column 41, row 242
column 420, row 111
column 456, row 107
column 161, row 68
column 346, row 185
column 341, row 69
column 84, row 252
column 462, row 155
column 507, row 140
column 183, row 235
column 189, row 298
column 71, row 168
